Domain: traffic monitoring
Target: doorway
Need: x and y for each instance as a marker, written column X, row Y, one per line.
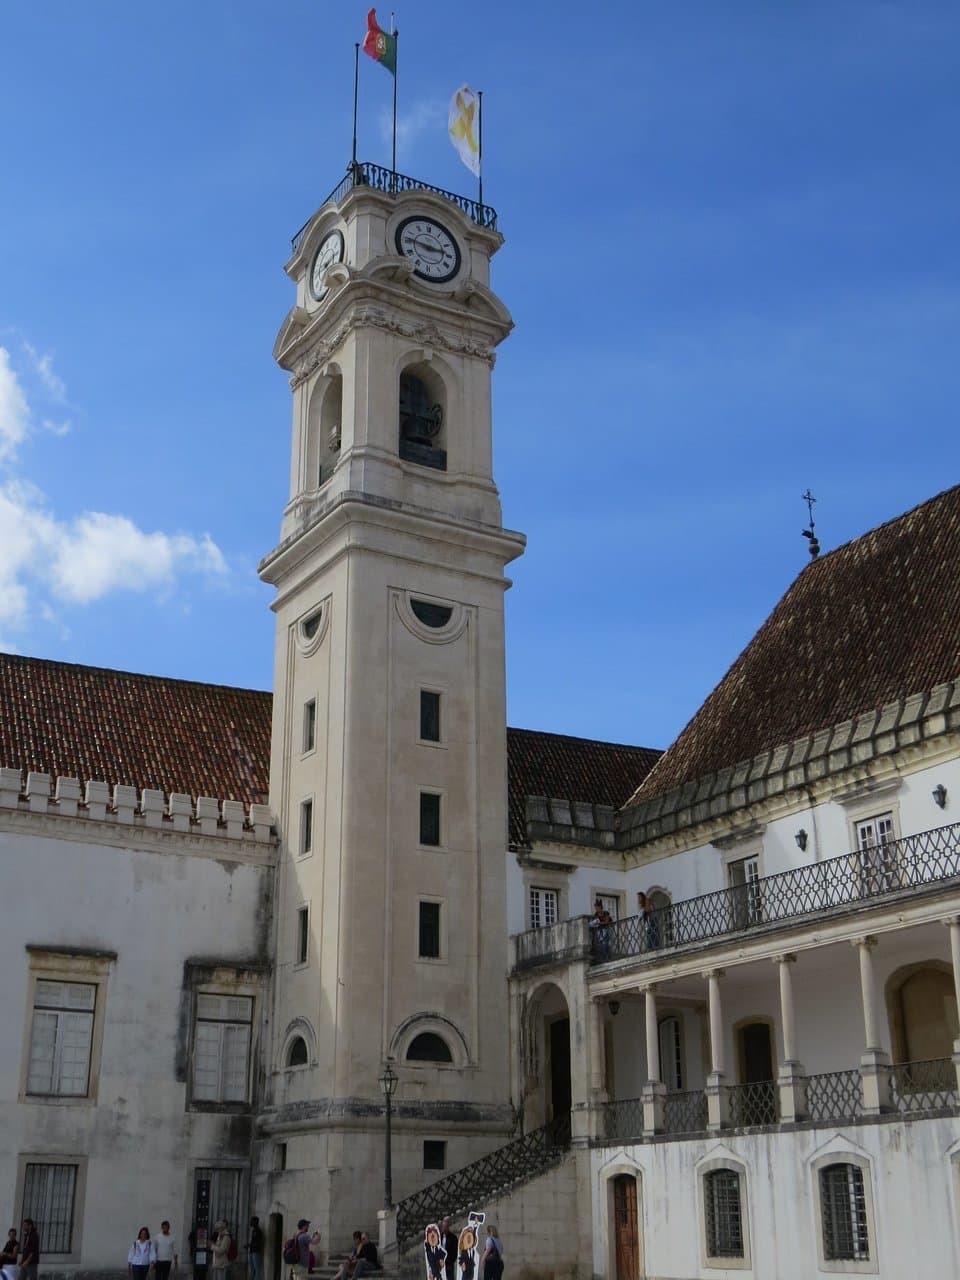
column 560, row 1089
column 626, row 1235
column 755, row 1052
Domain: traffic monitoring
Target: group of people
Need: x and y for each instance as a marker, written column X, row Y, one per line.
column 452, row 1257
column 602, row 930
column 160, row 1253
column 21, row 1258
column 362, row 1259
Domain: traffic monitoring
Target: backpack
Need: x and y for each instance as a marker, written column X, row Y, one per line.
column 291, row 1254
column 232, row 1250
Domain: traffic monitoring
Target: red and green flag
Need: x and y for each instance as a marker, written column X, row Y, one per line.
column 380, row 44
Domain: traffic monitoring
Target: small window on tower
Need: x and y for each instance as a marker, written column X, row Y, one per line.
column 309, row 725
column 431, row 615
column 306, row 827
column 303, row 934
column 421, row 422
column 429, row 716
column 429, row 946
column 429, row 818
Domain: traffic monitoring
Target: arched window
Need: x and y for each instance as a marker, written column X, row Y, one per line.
column 297, row 1053
column 429, row 1047
column 723, row 1214
column 422, row 438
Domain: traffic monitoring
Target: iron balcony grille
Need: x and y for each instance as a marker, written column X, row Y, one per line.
column 862, row 876
column 834, row 1095
column 621, row 1120
column 923, row 1086
column 685, row 1112
column 753, row 1104
column 390, row 182
column 491, row 1175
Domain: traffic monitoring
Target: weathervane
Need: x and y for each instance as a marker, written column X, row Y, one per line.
column 814, row 545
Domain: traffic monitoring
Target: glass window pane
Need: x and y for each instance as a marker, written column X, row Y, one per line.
column 43, row 1045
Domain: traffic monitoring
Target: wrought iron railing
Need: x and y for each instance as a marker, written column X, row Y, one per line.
column 489, row 1176
column 862, row 876
column 378, row 178
column 923, row 1086
column 621, row 1120
column 834, row 1095
column 685, row 1112
column 753, row 1104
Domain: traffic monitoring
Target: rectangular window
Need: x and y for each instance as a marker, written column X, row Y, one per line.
column 434, row 1155
column 429, row 716
column 429, row 930
column 722, row 1214
column 744, row 880
column 279, row 1157
column 306, row 827
column 60, row 1039
column 429, row 818
column 544, row 908
column 49, row 1196
column 843, row 1208
column 221, row 1051
column 310, row 725
column 876, row 842
column 303, row 934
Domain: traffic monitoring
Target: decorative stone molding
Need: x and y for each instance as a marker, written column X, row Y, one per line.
column 226, row 819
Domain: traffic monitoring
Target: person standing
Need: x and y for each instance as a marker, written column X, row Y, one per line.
column 222, row 1247
column 449, row 1240
column 30, row 1258
column 255, row 1250
column 141, row 1255
column 302, row 1267
column 11, row 1249
column 491, row 1264
column 166, row 1250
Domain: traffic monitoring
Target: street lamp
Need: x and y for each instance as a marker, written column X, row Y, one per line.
column 388, row 1087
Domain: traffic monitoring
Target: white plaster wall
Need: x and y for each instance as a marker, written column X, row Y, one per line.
column 914, row 1185
column 155, row 909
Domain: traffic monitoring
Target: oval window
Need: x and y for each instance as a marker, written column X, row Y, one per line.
column 431, row 615
column 310, row 626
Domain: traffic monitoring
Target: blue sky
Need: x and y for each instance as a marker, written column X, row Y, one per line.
column 731, row 255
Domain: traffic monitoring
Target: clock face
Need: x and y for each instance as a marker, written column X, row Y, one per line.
column 330, row 251
column 430, row 247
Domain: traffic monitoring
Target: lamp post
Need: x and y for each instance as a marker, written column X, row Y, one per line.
column 388, row 1087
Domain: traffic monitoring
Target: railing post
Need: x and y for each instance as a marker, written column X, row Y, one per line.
column 875, row 1062
column 387, row 1223
column 791, row 1081
column 718, row 1114
column 954, row 927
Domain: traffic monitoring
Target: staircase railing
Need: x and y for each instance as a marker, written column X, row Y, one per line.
column 489, row 1176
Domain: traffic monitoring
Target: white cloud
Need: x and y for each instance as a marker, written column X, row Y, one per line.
column 14, row 411
column 49, row 561
column 413, row 123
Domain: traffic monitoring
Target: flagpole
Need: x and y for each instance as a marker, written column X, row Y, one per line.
column 396, row 56
column 356, row 83
column 480, row 150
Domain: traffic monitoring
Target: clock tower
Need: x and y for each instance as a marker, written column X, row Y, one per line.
column 388, row 768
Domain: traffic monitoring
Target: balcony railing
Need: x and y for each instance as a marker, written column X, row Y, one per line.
column 753, row 1104
column 923, row 1086
column 553, row 944
column 864, row 876
column 685, row 1112
column 389, row 181
column 834, row 1095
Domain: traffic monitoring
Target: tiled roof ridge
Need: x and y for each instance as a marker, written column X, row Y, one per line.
column 592, row 742
column 907, row 553
column 134, row 675
column 802, row 762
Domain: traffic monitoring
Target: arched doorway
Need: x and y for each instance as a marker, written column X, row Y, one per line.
column 548, row 1090
column 625, row 1222
column 922, row 1006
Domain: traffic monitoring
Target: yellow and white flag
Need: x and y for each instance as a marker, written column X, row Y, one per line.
column 464, row 126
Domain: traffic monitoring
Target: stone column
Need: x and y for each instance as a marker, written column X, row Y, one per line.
column 954, row 927
column 653, row 1090
column 875, row 1061
column 717, row 1106
column 791, row 1079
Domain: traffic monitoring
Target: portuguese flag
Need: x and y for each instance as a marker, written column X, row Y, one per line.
column 380, row 44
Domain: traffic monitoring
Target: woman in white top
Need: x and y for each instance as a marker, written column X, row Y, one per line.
column 142, row 1255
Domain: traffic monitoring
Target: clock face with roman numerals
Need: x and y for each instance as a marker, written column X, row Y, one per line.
column 430, row 247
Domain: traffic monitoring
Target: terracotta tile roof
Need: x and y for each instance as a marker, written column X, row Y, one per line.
column 873, row 620
column 142, row 731
column 213, row 740
column 551, row 764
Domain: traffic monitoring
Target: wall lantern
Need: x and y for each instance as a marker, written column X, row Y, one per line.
column 939, row 794
column 614, row 1007
column 801, row 839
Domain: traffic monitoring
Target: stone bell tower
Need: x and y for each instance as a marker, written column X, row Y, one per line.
column 388, row 768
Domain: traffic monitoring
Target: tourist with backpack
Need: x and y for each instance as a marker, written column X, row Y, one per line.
column 224, row 1251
